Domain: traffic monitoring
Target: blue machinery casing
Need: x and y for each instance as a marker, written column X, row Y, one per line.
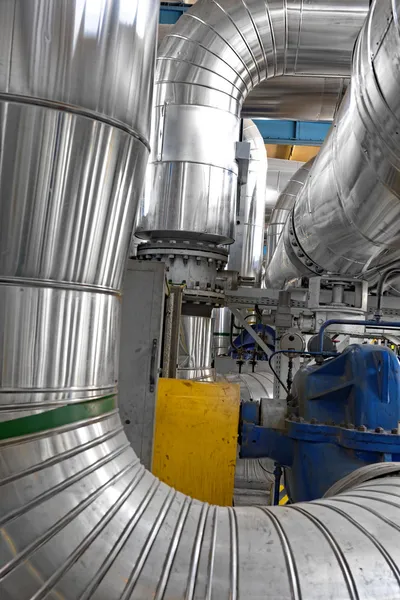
column 345, row 415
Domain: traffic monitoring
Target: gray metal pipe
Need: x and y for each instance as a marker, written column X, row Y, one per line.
column 214, row 56
column 296, row 98
column 347, row 214
column 195, row 349
column 80, row 518
column 284, row 206
column 293, row 98
column 246, row 253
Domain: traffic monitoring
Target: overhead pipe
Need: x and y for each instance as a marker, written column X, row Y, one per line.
column 296, row 98
column 284, row 206
column 214, row 56
column 79, row 516
column 347, row 213
column 291, row 98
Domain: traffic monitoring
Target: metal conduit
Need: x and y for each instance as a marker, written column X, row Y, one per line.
column 348, row 212
column 213, row 57
column 80, row 518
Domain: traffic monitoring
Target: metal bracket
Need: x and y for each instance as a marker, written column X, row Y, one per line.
column 171, row 332
column 242, row 155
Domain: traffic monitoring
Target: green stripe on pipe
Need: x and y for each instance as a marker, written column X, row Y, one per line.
column 51, row 419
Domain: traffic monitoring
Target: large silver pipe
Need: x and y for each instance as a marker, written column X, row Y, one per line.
column 293, row 98
column 284, row 206
column 80, row 517
column 296, row 98
column 195, row 348
column 73, row 151
column 348, row 212
column 246, row 254
column 214, row 56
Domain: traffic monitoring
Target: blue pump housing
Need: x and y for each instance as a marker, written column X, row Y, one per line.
column 360, row 387
column 246, row 343
column 345, row 414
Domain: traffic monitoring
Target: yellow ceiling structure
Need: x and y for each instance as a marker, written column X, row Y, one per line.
column 287, row 152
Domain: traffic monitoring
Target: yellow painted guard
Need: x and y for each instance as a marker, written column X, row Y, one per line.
column 195, row 438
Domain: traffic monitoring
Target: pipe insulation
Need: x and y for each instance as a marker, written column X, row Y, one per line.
column 348, row 211
column 207, row 64
column 284, row 206
column 80, row 518
column 292, row 98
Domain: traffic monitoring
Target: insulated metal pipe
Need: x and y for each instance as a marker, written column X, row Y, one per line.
column 213, row 57
column 296, row 98
column 80, row 518
column 73, row 150
column 348, row 212
column 246, row 254
column 195, row 349
column 284, row 206
column 292, row 98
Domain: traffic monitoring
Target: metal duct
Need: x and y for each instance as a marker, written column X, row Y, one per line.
column 195, row 349
column 80, row 517
column 246, row 254
column 284, row 206
column 216, row 53
column 348, row 212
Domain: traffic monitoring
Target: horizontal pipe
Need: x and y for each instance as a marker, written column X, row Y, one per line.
column 296, row 98
column 284, row 206
column 375, row 324
column 347, row 214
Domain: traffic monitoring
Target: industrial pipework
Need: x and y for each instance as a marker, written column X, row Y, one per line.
column 207, row 64
column 284, row 206
column 80, row 517
column 347, row 213
column 214, row 56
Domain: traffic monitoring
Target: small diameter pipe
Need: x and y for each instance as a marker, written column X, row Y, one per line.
column 372, row 323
